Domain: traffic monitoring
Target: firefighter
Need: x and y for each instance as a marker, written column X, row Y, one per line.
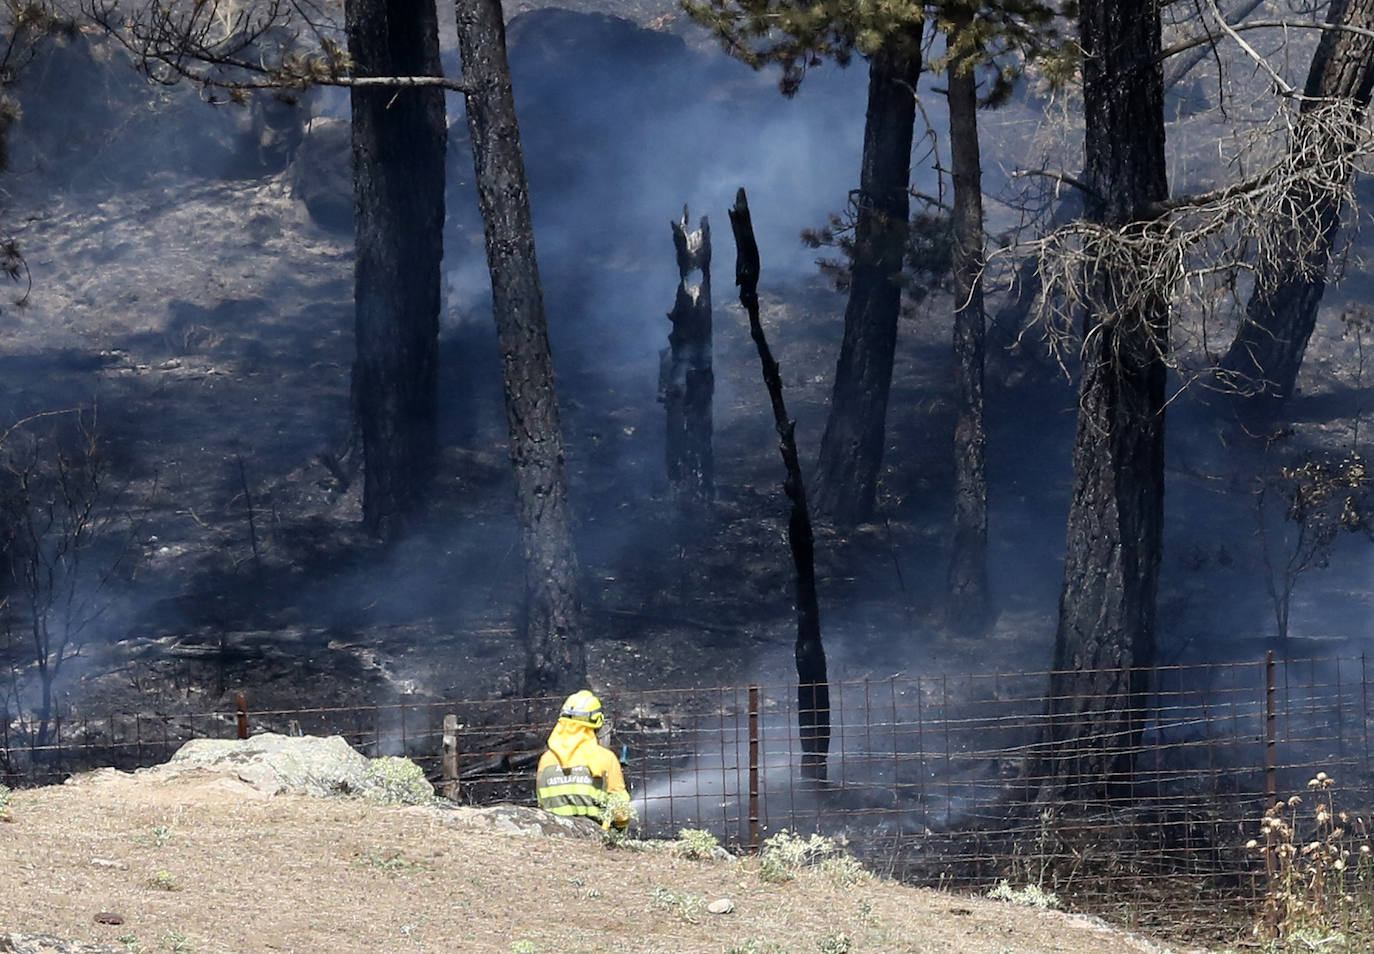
column 578, row 776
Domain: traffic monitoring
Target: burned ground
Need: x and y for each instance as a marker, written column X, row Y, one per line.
column 208, row 317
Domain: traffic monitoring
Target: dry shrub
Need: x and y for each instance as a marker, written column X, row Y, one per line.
column 1321, row 868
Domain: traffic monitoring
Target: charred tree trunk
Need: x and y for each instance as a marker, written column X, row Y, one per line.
column 686, row 381
column 968, row 573
column 1263, row 361
column 398, row 197
column 852, row 446
column 556, row 659
column 1111, row 570
column 813, row 686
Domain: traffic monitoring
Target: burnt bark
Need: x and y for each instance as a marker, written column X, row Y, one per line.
column 1263, row 361
column 555, row 655
column 1106, row 631
column 851, row 451
column 398, row 196
column 686, row 380
column 968, row 574
column 813, row 686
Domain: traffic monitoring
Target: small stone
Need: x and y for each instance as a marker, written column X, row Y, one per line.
column 721, row 906
column 107, row 863
column 108, row 917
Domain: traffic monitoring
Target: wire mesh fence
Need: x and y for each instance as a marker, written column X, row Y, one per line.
column 949, row 780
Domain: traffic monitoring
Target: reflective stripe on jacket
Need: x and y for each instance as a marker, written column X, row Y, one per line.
column 570, row 790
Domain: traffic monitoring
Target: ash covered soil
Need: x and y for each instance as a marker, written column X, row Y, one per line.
column 190, row 297
column 207, row 864
column 204, row 314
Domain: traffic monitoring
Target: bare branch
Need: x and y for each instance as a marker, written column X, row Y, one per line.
column 219, row 46
column 1279, row 82
column 1063, row 177
column 1184, row 45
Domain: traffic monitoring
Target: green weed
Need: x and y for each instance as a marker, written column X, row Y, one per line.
column 696, row 844
column 752, row 946
column 1031, row 895
column 390, row 860
column 784, row 855
column 397, row 781
column 164, row 881
column 686, row 906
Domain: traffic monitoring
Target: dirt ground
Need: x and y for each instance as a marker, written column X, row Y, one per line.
column 208, row 866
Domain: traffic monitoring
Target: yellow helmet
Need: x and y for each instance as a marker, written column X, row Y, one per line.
column 585, row 708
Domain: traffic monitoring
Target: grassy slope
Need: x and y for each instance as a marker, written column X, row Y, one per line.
column 206, row 865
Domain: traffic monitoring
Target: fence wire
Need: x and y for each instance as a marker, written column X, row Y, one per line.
column 933, row 779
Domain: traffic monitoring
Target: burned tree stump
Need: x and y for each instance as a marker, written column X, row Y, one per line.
column 686, row 382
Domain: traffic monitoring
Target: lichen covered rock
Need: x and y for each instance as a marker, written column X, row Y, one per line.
column 278, row 764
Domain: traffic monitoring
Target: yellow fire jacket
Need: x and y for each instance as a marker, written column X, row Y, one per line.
column 577, row 776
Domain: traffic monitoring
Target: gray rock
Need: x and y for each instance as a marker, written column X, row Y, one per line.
column 47, row 944
column 306, row 765
column 278, row 764
column 514, row 820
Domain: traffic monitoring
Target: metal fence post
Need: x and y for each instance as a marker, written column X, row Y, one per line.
column 449, row 787
column 1364, row 706
column 1271, row 779
column 1271, row 784
column 241, row 701
column 753, row 767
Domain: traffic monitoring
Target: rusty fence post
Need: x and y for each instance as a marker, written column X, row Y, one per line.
column 753, row 767
column 1364, row 706
column 1271, row 782
column 241, row 701
column 448, row 787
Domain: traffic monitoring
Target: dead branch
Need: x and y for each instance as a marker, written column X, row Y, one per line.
column 219, row 45
column 1182, row 46
column 1061, row 177
column 1189, row 248
column 1279, row 82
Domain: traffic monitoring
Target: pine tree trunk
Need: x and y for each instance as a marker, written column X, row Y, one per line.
column 398, row 195
column 1266, row 355
column 852, row 446
column 1111, row 570
column 556, row 659
column 686, row 382
column 968, row 575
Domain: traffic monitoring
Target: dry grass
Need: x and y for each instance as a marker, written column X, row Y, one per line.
column 206, row 865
